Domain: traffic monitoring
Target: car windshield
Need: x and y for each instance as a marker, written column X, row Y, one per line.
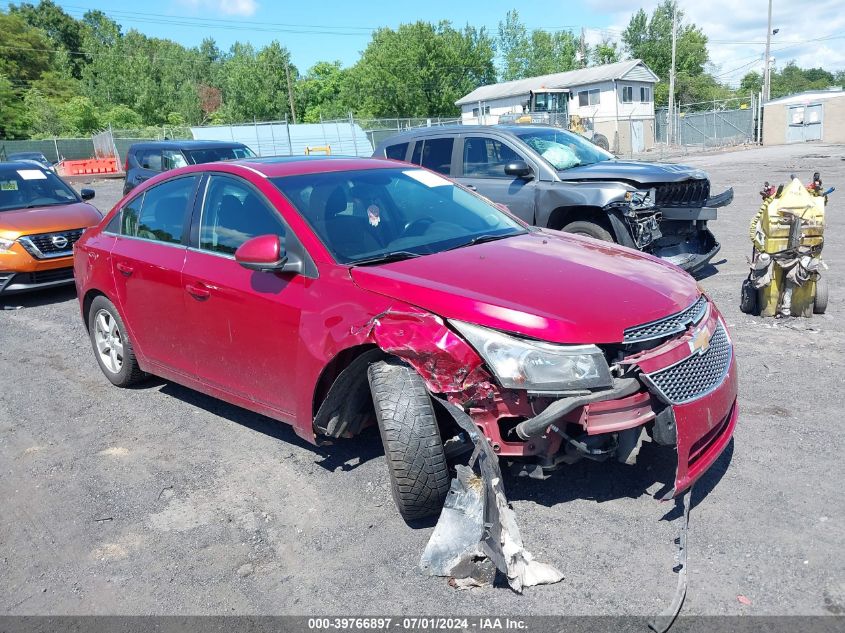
column 563, row 150
column 212, row 154
column 379, row 215
column 31, row 186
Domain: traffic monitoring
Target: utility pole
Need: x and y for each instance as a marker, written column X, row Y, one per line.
column 583, row 48
column 671, row 135
column 767, row 88
column 290, row 94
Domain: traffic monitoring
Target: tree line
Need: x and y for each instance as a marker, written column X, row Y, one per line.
column 62, row 76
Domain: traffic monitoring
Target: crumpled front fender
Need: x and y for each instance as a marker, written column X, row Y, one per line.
column 446, row 362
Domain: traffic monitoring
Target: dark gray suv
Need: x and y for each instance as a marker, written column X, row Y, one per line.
column 148, row 158
column 556, row 179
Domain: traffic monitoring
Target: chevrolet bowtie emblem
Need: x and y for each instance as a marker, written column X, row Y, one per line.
column 700, row 342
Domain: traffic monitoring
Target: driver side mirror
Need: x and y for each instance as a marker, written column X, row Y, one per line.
column 519, row 168
column 87, row 194
column 265, row 253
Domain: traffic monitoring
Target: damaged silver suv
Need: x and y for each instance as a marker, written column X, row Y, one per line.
column 553, row 178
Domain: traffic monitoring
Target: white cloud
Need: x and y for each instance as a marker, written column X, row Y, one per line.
column 242, row 8
column 737, row 32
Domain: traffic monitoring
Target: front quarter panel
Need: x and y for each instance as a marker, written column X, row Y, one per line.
column 577, row 194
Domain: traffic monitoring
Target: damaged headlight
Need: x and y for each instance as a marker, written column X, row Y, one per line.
column 641, row 199
column 537, row 366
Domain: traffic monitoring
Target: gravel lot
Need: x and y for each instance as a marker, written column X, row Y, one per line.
column 162, row 500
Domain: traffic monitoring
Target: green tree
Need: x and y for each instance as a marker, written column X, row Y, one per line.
column 24, row 50
column 420, row 69
column 606, row 52
column 80, row 117
column 319, row 93
column 13, row 121
column 64, row 32
column 539, row 52
column 650, row 39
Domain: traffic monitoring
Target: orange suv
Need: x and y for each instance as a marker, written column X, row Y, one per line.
column 41, row 217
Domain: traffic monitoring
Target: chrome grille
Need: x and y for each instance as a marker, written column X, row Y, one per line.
column 46, row 245
column 692, row 193
column 696, row 375
column 673, row 324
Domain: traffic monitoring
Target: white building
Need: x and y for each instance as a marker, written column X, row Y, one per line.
column 618, row 99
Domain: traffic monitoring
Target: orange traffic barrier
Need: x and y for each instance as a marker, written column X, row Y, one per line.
column 88, row 166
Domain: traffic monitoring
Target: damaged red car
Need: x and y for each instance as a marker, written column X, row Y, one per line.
column 334, row 294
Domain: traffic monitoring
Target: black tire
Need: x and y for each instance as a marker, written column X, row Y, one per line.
column 590, row 229
column 412, row 445
column 820, row 302
column 748, row 298
column 128, row 373
column 601, row 141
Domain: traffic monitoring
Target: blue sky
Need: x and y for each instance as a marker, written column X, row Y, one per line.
column 339, row 30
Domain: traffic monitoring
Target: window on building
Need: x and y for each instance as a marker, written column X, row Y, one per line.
column 475, row 112
column 627, row 94
column 588, row 97
column 645, row 94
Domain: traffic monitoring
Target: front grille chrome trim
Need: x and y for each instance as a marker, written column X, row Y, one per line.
column 695, row 376
column 40, row 245
column 667, row 326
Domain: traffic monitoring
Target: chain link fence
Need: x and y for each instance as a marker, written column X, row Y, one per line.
column 709, row 124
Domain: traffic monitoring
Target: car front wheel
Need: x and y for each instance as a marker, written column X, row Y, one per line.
column 412, row 445
column 590, row 229
column 111, row 344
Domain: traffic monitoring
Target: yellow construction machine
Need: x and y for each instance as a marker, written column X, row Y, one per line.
column 787, row 235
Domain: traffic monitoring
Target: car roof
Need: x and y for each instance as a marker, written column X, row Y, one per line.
column 507, row 128
column 275, row 166
column 184, row 144
column 24, row 163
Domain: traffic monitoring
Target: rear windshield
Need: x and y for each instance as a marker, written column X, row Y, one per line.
column 370, row 214
column 563, row 150
column 210, row 155
column 32, row 186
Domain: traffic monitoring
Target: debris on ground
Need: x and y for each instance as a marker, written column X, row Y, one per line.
column 477, row 532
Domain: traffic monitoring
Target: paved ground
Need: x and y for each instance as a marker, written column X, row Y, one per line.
column 161, row 500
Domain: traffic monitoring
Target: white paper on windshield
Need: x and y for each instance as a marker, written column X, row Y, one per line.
column 426, row 178
column 32, row 174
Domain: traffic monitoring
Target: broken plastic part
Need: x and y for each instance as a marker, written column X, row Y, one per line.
column 661, row 623
column 449, row 553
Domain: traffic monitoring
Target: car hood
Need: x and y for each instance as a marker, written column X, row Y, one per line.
column 640, row 172
column 545, row 284
column 48, row 219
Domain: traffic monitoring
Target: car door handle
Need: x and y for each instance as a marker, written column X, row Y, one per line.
column 199, row 291
column 125, row 269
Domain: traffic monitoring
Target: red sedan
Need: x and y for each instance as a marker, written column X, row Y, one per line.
column 337, row 293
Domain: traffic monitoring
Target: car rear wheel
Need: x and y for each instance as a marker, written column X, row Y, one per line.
column 112, row 346
column 412, row 445
column 590, row 229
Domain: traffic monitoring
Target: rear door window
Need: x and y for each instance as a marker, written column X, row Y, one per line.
column 396, row 152
column 234, row 212
column 172, row 159
column 159, row 213
column 150, row 159
column 434, row 154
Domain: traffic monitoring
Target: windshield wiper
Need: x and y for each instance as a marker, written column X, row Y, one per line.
column 480, row 239
column 393, row 256
column 46, row 204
